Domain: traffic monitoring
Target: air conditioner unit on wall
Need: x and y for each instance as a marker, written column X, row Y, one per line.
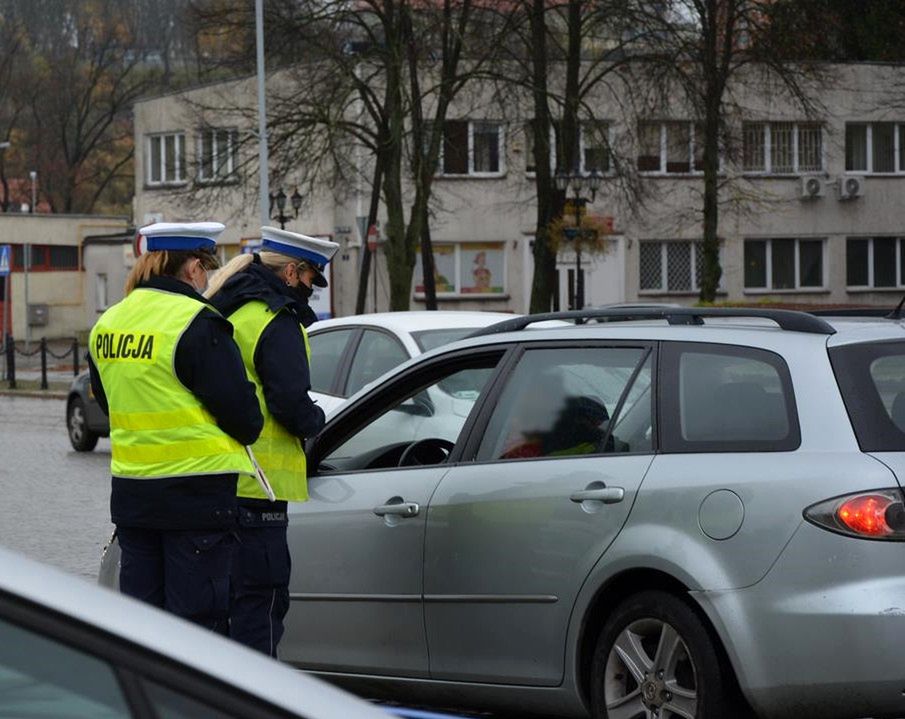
column 812, row 187
column 850, row 187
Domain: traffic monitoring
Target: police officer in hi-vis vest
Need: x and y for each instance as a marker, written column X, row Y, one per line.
column 166, row 370
column 265, row 296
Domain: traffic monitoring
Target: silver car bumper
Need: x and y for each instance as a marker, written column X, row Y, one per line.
column 823, row 634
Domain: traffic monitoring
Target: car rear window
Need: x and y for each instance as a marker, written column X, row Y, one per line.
column 431, row 339
column 725, row 398
column 871, row 377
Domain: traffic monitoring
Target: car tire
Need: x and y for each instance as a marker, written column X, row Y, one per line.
column 81, row 438
column 655, row 657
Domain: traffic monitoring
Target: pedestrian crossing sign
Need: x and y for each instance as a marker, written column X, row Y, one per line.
column 5, row 253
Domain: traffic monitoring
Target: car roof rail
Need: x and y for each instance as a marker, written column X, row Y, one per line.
column 791, row 320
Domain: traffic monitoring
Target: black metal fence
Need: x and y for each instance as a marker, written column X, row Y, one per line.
column 44, row 350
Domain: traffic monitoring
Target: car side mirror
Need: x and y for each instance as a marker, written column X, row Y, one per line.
column 420, row 406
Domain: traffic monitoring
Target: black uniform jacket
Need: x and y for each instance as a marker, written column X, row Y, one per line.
column 208, row 363
column 280, row 358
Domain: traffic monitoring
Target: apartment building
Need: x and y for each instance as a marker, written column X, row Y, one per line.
column 812, row 202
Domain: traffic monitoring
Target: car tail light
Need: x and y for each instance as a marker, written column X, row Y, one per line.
column 879, row 514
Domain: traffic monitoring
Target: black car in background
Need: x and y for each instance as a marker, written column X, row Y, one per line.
column 85, row 420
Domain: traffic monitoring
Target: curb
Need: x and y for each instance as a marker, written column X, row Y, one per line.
column 33, row 394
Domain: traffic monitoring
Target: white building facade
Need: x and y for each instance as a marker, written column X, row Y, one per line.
column 812, row 204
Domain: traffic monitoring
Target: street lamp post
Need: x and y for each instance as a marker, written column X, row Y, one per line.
column 580, row 185
column 34, row 189
column 26, row 259
column 280, row 200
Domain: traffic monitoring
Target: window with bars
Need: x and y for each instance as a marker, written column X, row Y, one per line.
column 875, row 262
column 784, row 264
column 875, row 147
column 782, row 148
column 471, row 148
column 670, row 266
column 674, row 147
column 165, row 159
column 217, row 154
column 594, row 147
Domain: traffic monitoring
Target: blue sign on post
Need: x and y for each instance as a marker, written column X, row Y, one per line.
column 5, row 257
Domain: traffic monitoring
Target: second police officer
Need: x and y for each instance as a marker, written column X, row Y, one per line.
column 265, row 296
column 166, row 370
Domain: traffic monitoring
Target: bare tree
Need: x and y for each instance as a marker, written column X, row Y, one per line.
column 696, row 49
column 361, row 101
column 564, row 56
column 83, row 91
column 14, row 61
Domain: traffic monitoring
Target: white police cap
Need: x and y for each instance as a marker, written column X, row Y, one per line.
column 178, row 236
column 315, row 252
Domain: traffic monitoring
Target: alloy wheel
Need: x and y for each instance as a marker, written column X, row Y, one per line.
column 650, row 674
column 76, row 423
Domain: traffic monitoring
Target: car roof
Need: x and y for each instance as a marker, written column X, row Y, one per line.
column 745, row 331
column 852, row 330
column 168, row 636
column 416, row 320
column 749, row 326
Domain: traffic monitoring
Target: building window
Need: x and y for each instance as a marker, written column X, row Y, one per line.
column 46, row 258
column 216, row 154
column 671, row 266
column 782, row 148
column 467, row 269
column 874, row 262
column 166, row 159
column 875, row 147
column 471, row 148
column 594, row 147
column 675, row 147
column 784, row 264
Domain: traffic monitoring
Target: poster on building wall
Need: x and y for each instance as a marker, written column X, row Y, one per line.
column 481, row 267
column 444, row 270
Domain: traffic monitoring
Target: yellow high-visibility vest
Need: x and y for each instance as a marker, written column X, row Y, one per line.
column 158, row 428
column 279, row 452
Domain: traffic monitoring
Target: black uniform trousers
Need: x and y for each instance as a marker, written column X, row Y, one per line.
column 184, row 572
column 259, row 597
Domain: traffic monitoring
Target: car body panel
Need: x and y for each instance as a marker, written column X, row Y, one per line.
column 355, row 592
column 122, row 621
column 506, row 553
column 821, row 634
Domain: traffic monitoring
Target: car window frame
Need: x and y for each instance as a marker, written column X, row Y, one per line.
column 473, row 443
column 348, row 420
column 353, row 353
column 341, row 372
column 671, row 440
column 132, row 663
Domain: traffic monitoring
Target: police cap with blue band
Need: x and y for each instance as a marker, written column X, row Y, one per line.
column 317, row 253
column 178, row 236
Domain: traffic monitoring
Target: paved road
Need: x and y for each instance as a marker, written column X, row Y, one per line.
column 54, row 502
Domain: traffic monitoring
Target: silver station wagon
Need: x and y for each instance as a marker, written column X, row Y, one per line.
column 695, row 513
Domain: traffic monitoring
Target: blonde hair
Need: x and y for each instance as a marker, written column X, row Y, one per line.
column 165, row 263
column 271, row 260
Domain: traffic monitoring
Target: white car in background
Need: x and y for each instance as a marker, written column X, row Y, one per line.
column 348, row 353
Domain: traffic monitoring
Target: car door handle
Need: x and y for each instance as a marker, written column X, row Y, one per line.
column 607, row 495
column 402, row 509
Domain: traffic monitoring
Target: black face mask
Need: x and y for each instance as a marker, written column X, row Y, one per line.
column 304, row 292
